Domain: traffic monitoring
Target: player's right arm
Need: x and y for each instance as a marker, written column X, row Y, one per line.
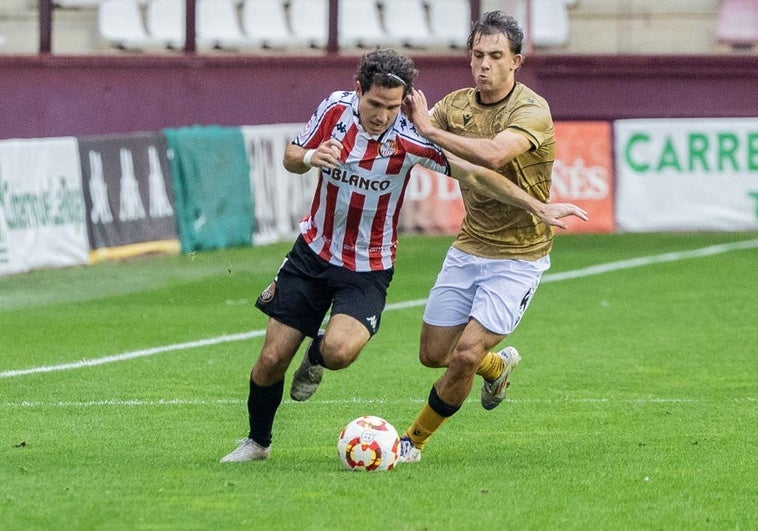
column 297, row 159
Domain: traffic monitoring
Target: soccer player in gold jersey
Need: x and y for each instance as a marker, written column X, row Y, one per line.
column 494, row 266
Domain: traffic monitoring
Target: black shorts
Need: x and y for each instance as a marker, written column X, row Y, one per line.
column 306, row 286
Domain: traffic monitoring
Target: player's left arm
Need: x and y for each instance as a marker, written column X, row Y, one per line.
column 493, row 153
column 493, row 184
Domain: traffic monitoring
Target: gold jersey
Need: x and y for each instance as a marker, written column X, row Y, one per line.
column 492, row 229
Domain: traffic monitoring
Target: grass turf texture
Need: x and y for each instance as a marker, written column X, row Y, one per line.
column 634, row 406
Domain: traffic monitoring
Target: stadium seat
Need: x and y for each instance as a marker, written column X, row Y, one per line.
column 309, row 20
column 361, row 26
column 166, row 21
column 549, row 21
column 218, row 25
column 76, row 4
column 120, row 24
column 405, row 22
column 737, row 23
column 265, row 24
column 450, row 22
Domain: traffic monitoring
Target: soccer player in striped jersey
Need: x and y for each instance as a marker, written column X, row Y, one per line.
column 364, row 148
column 494, row 266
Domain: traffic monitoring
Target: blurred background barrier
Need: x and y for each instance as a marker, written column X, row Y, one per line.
column 433, row 204
column 583, row 173
column 212, row 196
column 115, row 196
column 129, row 195
column 280, row 198
column 686, row 175
column 42, row 213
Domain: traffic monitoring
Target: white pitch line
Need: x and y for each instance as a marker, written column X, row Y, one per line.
column 649, row 260
column 225, row 402
column 550, row 277
column 135, row 354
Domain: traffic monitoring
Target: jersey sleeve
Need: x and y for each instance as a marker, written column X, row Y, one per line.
column 437, row 161
column 437, row 115
column 533, row 121
column 315, row 132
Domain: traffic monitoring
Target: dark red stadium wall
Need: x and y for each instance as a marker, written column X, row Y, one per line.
column 608, row 88
column 60, row 96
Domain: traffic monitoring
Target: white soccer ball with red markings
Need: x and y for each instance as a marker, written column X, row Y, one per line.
column 368, row 443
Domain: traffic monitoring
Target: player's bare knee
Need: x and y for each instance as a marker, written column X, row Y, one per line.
column 465, row 361
column 430, row 359
column 338, row 355
column 268, row 371
column 271, row 364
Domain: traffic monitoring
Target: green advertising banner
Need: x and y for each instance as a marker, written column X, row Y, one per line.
column 212, row 195
column 687, row 174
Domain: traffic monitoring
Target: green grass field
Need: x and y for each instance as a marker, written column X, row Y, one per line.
column 635, row 405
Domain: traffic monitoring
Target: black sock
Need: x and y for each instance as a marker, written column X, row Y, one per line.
column 314, row 351
column 441, row 407
column 262, row 403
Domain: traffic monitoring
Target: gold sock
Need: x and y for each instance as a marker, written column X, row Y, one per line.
column 491, row 367
column 427, row 422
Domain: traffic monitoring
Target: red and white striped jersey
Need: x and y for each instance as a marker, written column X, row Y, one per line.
column 353, row 218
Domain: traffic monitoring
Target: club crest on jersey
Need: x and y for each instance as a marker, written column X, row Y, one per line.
column 388, row 148
column 268, row 293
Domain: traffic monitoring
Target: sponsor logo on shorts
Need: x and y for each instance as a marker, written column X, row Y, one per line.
column 525, row 300
column 268, row 293
column 372, row 322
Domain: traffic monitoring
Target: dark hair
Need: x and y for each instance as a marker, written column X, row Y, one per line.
column 494, row 22
column 386, row 68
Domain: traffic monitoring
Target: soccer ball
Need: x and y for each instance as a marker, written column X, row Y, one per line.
column 368, row 443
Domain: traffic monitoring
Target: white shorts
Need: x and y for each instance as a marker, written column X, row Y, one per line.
column 495, row 292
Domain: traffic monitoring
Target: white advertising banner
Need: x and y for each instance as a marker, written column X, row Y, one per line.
column 686, row 174
column 280, row 198
column 42, row 214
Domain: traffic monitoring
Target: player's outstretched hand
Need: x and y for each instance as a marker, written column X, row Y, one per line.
column 551, row 213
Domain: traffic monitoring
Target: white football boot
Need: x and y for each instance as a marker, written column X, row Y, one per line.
column 408, row 452
column 493, row 391
column 248, row 450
